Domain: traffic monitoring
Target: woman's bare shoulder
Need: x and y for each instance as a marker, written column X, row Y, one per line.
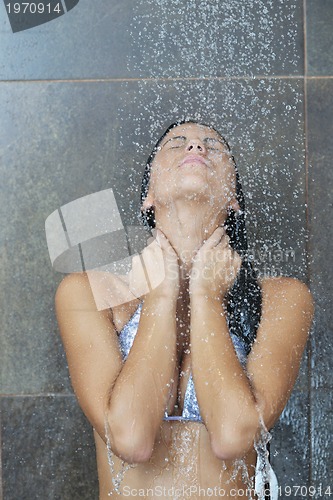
column 72, row 289
column 97, row 291
column 100, row 288
column 287, row 288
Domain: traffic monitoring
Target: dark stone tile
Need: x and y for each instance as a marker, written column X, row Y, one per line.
column 302, row 382
column 320, row 130
column 32, row 356
column 263, row 122
column 84, row 43
column 319, row 15
column 34, row 184
column 63, row 141
column 217, row 38
column 48, row 450
column 322, row 445
column 290, row 452
column 145, row 38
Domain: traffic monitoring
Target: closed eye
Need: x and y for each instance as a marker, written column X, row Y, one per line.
column 214, row 144
column 175, row 142
column 211, row 143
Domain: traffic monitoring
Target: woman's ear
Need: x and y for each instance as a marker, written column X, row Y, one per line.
column 234, row 205
column 148, row 202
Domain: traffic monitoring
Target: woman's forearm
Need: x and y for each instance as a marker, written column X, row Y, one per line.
column 140, row 394
column 226, row 401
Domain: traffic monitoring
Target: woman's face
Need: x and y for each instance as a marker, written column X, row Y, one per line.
column 192, row 162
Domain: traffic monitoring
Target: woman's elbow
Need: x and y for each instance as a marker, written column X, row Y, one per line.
column 233, row 442
column 130, row 444
column 131, row 452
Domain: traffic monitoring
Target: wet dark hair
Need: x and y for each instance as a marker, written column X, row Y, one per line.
column 244, row 299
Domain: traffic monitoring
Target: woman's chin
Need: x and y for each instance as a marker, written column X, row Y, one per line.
column 193, row 186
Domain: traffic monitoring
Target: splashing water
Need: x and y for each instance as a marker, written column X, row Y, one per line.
column 118, row 477
column 240, row 465
column 209, row 61
column 251, row 114
column 264, row 471
column 185, row 470
column 186, row 39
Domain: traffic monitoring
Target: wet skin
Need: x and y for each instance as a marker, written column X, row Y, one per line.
column 192, row 187
column 182, row 456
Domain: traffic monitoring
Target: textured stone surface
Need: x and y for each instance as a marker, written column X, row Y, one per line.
column 47, row 450
column 63, row 141
column 320, row 110
column 322, row 443
column 216, row 38
column 263, row 122
column 319, row 15
column 146, row 38
column 290, row 453
column 87, row 42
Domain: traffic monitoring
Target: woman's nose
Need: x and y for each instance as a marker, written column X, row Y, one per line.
column 196, row 146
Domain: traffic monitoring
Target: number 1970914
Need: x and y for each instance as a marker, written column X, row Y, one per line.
column 33, row 8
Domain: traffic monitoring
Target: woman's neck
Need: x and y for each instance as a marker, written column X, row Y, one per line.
column 187, row 227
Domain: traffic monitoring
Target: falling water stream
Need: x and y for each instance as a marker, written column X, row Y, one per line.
column 179, row 45
column 118, row 477
column 187, row 473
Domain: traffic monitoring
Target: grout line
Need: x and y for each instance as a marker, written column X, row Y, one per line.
column 307, row 242
column 121, row 80
column 305, row 35
column 309, row 77
column 214, row 78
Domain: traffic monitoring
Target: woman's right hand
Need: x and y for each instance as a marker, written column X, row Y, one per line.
column 156, row 269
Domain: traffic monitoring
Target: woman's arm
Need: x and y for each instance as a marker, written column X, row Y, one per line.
column 132, row 395
column 91, row 345
column 274, row 361
column 231, row 399
column 140, row 393
column 225, row 397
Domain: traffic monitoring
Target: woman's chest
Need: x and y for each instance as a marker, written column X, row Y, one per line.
column 126, row 319
column 182, row 458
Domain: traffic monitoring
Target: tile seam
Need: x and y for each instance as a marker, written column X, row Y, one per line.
column 215, row 78
column 121, row 80
column 308, row 228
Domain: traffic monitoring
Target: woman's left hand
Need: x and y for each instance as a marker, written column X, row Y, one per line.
column 215, row 266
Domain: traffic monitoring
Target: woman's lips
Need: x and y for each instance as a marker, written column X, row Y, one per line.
column 194, row 159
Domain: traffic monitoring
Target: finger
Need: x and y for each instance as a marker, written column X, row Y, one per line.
column 224, row 241
column 154, row 267
column 137, row 277
column 214, row 238
column 163, row 241
column 152, row 246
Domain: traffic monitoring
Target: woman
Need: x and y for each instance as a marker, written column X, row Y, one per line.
column 181, row 381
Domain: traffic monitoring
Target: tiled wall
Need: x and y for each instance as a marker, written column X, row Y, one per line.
column 82, row 99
